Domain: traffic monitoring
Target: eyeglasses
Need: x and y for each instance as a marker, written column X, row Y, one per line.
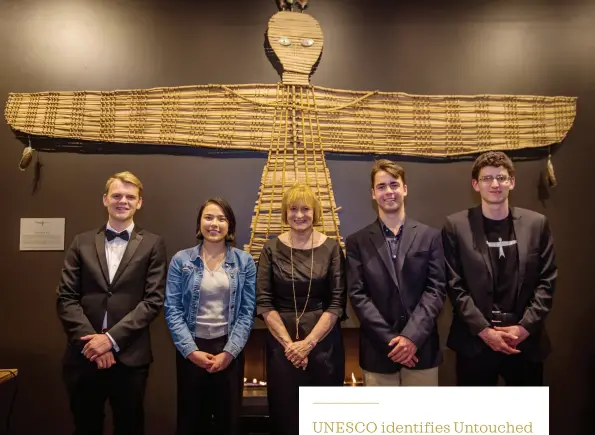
column 501, row 179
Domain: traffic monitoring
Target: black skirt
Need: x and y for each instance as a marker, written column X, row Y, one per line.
column 326, row 367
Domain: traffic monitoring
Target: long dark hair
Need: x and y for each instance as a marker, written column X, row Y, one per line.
column 227, row 212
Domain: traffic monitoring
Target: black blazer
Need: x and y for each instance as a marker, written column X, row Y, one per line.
column 388, row 304
column 470, row 284
column 132, row 300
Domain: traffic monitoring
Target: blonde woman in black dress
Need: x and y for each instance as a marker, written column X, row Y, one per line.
column 300, row 294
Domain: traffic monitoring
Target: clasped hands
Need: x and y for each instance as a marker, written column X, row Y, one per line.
column 297, row 353
column 504, row 339
column 403, row 352
column 98, row 349
column 211, row 363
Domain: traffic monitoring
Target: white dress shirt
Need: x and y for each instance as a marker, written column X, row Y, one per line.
column 114, row 251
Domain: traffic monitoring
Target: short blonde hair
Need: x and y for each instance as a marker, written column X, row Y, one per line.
column 125, row 177
column 300, row 193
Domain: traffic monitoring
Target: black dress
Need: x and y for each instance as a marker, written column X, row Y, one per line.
column 274, row 291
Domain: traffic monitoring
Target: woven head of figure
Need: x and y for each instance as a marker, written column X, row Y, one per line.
column 296, row 40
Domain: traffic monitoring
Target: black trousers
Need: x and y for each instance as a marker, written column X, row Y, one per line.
column 89, row 388
column 209, row 403
column 484, row 369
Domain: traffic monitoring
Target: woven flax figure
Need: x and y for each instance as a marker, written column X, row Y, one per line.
column 295, row 122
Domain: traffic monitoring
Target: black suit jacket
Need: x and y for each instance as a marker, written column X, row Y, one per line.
column 389, row 302
column 132, row 300
column 471, row 287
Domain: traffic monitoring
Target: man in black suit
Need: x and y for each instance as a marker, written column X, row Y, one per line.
column 396, row 284
column 501, row 272
column 111, row 289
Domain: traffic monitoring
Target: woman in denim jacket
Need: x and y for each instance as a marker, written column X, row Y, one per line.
column 209, row 309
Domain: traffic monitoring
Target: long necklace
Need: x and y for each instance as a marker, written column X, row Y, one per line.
column 298, row 318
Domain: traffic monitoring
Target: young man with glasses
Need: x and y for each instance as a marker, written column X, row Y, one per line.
column 501, row 271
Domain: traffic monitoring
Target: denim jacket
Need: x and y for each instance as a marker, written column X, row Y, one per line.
column 182, row 295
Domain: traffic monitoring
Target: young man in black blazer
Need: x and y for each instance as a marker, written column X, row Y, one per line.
column 502, row 273
column 396, row 284
column 111, row 289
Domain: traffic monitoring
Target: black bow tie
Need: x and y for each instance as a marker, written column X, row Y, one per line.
column 111, row 235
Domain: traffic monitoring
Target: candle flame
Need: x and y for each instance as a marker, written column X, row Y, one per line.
column 353, row 378
column 255, row 382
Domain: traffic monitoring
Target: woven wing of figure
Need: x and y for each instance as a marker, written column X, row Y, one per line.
column 439, row 125
column 213, row 116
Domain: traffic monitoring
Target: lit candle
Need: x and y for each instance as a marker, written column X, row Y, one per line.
column 353, row 382
column 255, row 383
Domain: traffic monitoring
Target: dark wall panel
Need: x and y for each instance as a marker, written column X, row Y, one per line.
column 430, row 47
